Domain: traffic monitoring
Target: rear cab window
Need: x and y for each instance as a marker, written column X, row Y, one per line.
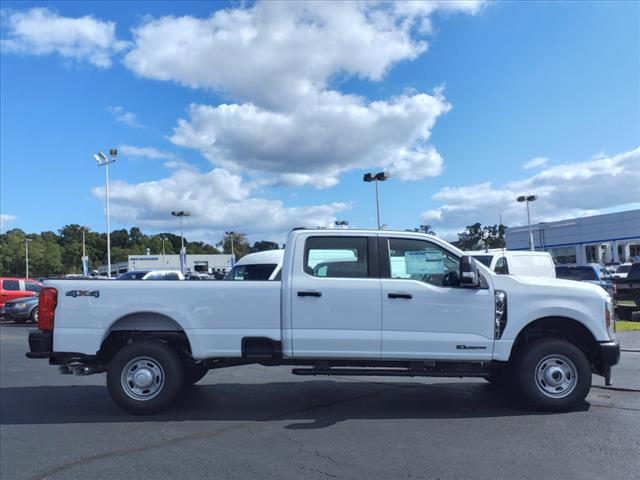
column 12, row 285
column 336, row 257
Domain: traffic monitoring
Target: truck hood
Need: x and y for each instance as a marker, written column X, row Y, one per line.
column 546, row 284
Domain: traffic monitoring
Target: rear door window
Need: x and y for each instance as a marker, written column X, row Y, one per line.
column 336, row 257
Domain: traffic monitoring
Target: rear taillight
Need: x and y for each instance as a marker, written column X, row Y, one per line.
column 47, row 308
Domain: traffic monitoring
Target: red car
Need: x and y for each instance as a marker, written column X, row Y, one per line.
column 11, row 288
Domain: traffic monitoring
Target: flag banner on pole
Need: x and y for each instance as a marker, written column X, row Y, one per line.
column 233, row 261
column 85, row 266
column 183, row 260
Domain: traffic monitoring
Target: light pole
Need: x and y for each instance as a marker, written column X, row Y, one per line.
column 26, row 256
column 233, row 256
column 342, row 223
column 378, row 177
column 528, row 199
column 164, row 239
column 104, row 161
column 181, row 214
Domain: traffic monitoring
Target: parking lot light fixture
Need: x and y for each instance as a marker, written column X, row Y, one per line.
column 233, row 255
column 181, row 214
column 342, row 223
column 378, row 177
column 104, row 161
column 528, row 199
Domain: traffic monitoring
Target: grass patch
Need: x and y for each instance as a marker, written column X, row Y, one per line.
column 622, row 326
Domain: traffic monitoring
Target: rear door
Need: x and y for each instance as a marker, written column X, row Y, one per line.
column 335, row 297
column 425, row 314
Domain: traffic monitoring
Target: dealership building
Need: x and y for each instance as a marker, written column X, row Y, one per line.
column 611, row 237
column 204, row 263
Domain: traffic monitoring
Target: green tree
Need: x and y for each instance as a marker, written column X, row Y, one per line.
column 424, row 229
column 264, row 245
column 240, row 245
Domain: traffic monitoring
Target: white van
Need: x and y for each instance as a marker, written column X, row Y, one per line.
column 265, row 265
column 517, row 262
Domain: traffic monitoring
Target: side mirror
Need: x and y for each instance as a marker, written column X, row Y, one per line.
column 469, row 276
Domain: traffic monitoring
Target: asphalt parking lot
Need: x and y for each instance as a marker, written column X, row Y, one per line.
column 260, row 422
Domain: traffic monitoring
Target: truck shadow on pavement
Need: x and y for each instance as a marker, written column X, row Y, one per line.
column 309, row 404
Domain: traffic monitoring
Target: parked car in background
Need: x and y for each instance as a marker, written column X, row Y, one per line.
column 517, row 262
column 622, row 270
column 258, row 266
column 595, row 274
column 21, row 309
column 12, row 288
column 151, row 275
column 626, row 293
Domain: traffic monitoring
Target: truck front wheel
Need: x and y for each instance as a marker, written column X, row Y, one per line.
column 553, row 374
column 145, row 377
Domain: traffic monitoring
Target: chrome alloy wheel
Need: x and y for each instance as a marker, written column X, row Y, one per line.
column 142, row 378
column 556, row 376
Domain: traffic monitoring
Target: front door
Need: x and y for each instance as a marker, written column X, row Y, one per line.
column 335, row 299
column 425, row 314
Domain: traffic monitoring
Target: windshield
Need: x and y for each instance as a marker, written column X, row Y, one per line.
column 260, row 271
column 576, row 273
column 132, row 276
column 623, row 269
column 484, row 259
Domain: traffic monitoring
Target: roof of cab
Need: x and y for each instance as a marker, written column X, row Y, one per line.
column 268, row 256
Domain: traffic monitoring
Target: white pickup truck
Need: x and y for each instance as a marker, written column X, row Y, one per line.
column 349, row 302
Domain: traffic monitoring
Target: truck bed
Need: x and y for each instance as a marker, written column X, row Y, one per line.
column 214, row 315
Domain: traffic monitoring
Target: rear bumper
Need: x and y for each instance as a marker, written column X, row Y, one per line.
column 40, row 344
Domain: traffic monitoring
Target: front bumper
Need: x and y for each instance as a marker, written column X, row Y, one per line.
column 609, row 353
column 609, row 356
column 40, row 344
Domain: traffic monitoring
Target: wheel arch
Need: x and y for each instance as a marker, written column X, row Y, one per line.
column 564, row 328
column 144, row 325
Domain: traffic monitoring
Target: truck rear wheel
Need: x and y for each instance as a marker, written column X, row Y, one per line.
column 553, row 374
column 145, row 377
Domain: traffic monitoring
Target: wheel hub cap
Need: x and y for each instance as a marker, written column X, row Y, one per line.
column 142, row 378
column 556, row 376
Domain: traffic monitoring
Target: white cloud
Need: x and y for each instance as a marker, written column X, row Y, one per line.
column 565, row 190
column 146, row 152
column 277, row 62
column 4, row 219
column 535, row 163
column 41, row 31
column 274, row 51
column 315, row 143
column 122, row 116
column 218, row 200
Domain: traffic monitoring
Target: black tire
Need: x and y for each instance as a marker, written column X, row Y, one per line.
column 553, row 374
column 152, row 361
column 625, row 313
column 193, row 375
column 34, row 315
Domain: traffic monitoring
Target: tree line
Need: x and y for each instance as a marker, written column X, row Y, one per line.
column 60, row 253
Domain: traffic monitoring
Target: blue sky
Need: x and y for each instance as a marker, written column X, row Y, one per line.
column 264, row 116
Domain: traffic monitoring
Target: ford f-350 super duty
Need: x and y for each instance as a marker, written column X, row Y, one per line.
column 349, row 302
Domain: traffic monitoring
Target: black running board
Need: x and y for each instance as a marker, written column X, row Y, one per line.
column 391, row 372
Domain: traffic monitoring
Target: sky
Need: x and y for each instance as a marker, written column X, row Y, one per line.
column 262, row 116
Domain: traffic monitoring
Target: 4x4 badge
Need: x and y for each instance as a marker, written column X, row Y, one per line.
column 83, row 293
